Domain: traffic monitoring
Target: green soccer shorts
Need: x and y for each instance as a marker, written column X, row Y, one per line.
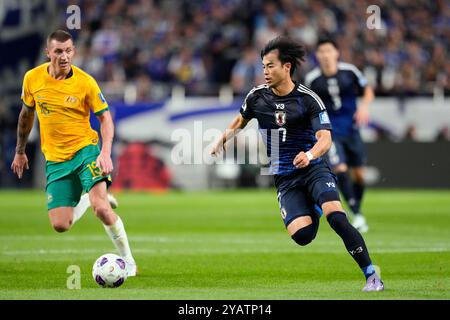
column 67, row 180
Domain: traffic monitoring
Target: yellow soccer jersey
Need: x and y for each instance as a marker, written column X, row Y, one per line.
column 63, row 108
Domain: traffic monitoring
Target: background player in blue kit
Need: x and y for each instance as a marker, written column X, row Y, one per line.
column 338, row 85
column 295, row 126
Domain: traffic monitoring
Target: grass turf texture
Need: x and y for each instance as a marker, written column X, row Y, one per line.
column 227, row 245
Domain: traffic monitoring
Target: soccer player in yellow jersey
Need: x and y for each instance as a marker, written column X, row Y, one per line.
column 63, row 95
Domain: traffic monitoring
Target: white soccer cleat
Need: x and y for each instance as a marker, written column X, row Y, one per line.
column 360, row 224
column 131, row 268
column 112, row 201
column 373, row 283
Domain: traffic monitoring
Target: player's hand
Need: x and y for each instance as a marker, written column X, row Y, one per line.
column 362, row 116
column 301, row 160
column 19, row 163
column 218, row 148
column 104, row 163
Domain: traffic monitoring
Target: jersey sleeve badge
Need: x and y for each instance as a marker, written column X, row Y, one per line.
column 323, row 118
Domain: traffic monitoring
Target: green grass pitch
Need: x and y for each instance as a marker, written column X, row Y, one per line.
column 227, row 245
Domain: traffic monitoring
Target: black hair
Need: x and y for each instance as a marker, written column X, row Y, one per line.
column 288, row 51
column 325, row 40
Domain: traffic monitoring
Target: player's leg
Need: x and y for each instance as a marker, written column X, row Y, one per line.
column 112, row 223
column 359, row 184
column 300, row 220
column 85, row 203
column 81, row 207
column 95, row 184
column 356, row 160
column 359, row 220
column 63, row 195
column 354, row 243
column 61, row 218
column 337, row 159
column 324, row 192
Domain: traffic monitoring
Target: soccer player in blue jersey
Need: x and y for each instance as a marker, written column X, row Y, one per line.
column 338, row 84
column 297, row 132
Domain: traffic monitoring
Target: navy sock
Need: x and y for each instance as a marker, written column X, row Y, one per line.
column 352, row 239
column 358, row 191
column 368, row 271
column 347, row 189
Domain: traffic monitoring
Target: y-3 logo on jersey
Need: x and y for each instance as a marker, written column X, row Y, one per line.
column 279, row 106
column 331, row 185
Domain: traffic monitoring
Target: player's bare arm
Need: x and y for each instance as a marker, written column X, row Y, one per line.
column 239, row 122
column 362, row 113
column 104, row 161
column 320, row 148
column 24, row 126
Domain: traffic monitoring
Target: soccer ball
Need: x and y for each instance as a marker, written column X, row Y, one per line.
column 109, row 271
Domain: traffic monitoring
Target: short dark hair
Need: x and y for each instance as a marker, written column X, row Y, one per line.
column 288, row 51
column 60, row 36
column 325, row 40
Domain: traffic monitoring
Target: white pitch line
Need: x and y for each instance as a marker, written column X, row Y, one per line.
column 262, row 239
column 214, row 251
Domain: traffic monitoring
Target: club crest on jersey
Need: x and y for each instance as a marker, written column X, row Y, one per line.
column 280, row 117
column 323, row 117
column 71, row 99
column 283, row 213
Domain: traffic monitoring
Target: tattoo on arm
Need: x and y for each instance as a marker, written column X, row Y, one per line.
column 24, row 126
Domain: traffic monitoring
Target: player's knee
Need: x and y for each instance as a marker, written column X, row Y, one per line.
column 331, row 206
column 359, row 179
column 102, row 211
column 61, row 226
column 340, row 168
column 305, row 235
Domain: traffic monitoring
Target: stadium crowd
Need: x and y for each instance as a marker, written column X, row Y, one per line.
column 203, row 45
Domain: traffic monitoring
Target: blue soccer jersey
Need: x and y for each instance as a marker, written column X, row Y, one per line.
column 339, row 93
column 287, row 123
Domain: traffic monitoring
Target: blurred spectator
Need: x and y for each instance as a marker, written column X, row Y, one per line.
column 158, row 64
column 301, row 28
column 411, row 134
column 266, row 33
column 247, row 72
column 443, row 134
column 187, row 69
column 408, row 80
column 106, row 41
column 270, row 14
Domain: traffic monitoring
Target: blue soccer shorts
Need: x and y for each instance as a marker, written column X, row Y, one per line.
column 303, row 192
column 349, row 150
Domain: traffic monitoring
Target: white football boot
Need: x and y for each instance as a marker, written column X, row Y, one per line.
column 373, row 283
column 131, row 268
column 112, row 201
column 360, row 224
